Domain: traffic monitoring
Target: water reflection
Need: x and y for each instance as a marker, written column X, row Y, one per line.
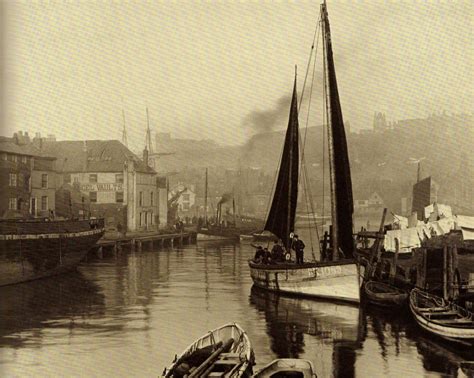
column 397, row 331
column 312, row 329
column 57, row 302
column 130, row 313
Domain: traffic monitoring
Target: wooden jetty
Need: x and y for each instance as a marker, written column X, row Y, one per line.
column 143, row 241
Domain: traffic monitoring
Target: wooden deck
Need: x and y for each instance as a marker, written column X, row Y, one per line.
column 146, row 241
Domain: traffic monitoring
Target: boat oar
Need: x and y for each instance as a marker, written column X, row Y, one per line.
column 212, row 358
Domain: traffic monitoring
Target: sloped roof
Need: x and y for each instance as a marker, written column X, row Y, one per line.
column 93, row 156
column 8, row 145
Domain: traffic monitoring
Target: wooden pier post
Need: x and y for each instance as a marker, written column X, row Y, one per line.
column 100, row 253
column 172, row 242
column 132, row 245
column 139, row 245
column 393, row 267
column 445, row 272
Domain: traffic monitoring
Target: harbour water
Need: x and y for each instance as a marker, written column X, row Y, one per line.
column 128, row 315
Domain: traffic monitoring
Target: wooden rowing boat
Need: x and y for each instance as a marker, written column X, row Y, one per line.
column 383, row 294
column 223, row 352
column 441, row 317
column 287, row 367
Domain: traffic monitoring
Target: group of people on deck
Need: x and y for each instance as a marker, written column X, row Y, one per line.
column 279, row 254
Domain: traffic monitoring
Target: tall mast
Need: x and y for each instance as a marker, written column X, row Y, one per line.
column 148, row 143
column 124, row 130
column 205, row 199
column 340, row 174
column 289, row 221
column 332, row 176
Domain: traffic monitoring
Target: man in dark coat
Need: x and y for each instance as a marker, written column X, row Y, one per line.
column 298, row 246
column 277, row 252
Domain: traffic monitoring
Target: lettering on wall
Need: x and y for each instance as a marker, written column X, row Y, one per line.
column 109, row 187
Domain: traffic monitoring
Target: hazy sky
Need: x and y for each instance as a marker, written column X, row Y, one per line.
column 208, row 70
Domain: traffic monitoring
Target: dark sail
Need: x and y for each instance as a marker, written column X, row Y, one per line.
column 281, row 218
column 341, row 180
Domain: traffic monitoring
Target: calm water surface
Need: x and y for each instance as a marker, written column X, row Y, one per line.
column 129, row 315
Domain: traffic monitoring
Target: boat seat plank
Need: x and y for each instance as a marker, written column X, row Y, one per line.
column 216, row 374
column 432, row 309
column 444, row 313
column 455, row 321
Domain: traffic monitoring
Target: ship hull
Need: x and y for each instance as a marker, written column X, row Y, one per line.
column 34, row 252
column 329, row 280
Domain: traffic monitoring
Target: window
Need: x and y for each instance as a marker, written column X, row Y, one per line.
column 13, row 178
column 119, row 178
column 93, row 178
column 140, row 219
column 67, row 178
column 152, row 220
column 186, row 197
column 24, row 159
column 12, row 158
column 44, row 203
column 44, row 181
column 12, row 204
column 140, row 199
column 119, row 197
column 93, row 196
column 152, row 198
column 4, row 156
column 76, row 179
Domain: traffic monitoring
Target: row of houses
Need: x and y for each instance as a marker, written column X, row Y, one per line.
column 42, row 177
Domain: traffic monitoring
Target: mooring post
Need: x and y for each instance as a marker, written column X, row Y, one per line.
column 172, row 242
column 139, row 245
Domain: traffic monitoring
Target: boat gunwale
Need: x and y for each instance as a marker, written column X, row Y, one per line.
column 294, row 266
column 396, row 292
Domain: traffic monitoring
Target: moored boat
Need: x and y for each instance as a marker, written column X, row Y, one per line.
column 225, row 351
column 287, row 367
column 336, row 276
column 384, row 294
column 32, row 249
column 441, row 317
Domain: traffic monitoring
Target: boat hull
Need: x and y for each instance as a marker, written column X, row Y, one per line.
column 287, row 366
column 35, row 253
column 462, row 332
column 384, row 295
column 240, row 347
column 330, row 280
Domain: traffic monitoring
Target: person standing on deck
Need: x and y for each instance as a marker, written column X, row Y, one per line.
column 298, row 246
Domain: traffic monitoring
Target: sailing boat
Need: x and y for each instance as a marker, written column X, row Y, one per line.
column 338, row 278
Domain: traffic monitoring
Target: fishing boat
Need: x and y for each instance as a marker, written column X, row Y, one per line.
column 336, row 276
column 32, row 249
column 384, row 294
column 441, row 317
column 287, row 367
column 224, row 352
